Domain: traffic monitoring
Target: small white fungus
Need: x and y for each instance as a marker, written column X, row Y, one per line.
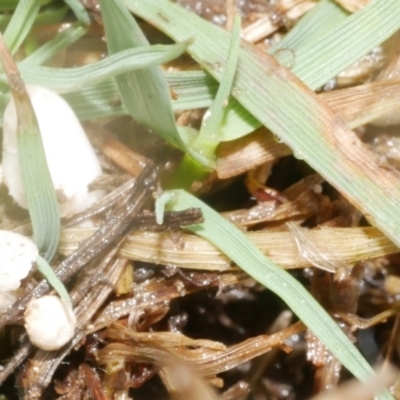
column 8, row 298
column 50, row 322
column 17, row 254
column 70, row 157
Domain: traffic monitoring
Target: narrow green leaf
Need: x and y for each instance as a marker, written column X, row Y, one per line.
column 45, row 269
column 234, row 243
column 209, row 135
column 200, row 158
column 65, row 80
column 20, row 24
column 98, row 101
column 36, row 180
column 194, row 89
column 315, row 62
column 11, row 5
column 62, row 40
column 79, row 10
column 144, row 92
column 291, row 111
column 322, row 18
column 35, row 175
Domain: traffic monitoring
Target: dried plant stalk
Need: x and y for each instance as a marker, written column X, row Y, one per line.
column 356, row 106
column 204, row 361
column 353, row 5
column 187, row 251
column 156, row 293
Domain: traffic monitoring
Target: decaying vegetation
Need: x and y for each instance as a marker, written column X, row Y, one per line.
column 165, row 310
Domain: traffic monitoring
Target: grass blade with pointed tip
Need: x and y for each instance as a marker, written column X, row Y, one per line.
column 45, row 269
column 144, row 93
column 72, row 79
column 201, row 156
column 36, row 180
column 231, row 241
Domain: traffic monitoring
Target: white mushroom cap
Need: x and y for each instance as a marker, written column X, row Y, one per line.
column 70, row 157
column 9, row 297
column 17, row 254
column 50, row 322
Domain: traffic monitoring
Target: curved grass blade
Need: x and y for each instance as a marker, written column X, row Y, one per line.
column 45, row 269
column 144, row 92
column 36, row 180
column 231, row 241
column 65, row 80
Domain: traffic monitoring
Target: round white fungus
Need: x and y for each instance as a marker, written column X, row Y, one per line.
column 17, row 254
column 8, row 298
column 50, row 322
column 70, row 157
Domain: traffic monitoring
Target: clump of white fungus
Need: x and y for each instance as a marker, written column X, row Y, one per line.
column 17, row 255
column 49, row 322
column 72, row 162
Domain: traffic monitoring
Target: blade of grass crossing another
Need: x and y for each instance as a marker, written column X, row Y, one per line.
column 314, row 24
column 200, row 158
column 79, row 10
column 144, row 93
column 293, row 112
column 231, row 241
column 314, row 62
column 65, row 80
column 62, row 40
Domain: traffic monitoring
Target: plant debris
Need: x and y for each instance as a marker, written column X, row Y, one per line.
column 164, row 314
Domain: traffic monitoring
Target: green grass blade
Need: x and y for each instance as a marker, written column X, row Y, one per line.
column 194, row 89
column 284, row 105
column 338, row 48
column 144, row 93
column 37, row 183
column 35, row 175
column 322, row 18
column 231, row 241
column 45, row 269
column 315, row 62
column 20, row 24
column 98, row 101
column 79, row 10
column 209, row 135
column 65, row 80
column 50, row 14
column 319, row 47
column 200, row 158
column 11, row 5
column 54, row 46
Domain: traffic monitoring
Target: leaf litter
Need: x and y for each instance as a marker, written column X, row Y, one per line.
column 155, row 304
